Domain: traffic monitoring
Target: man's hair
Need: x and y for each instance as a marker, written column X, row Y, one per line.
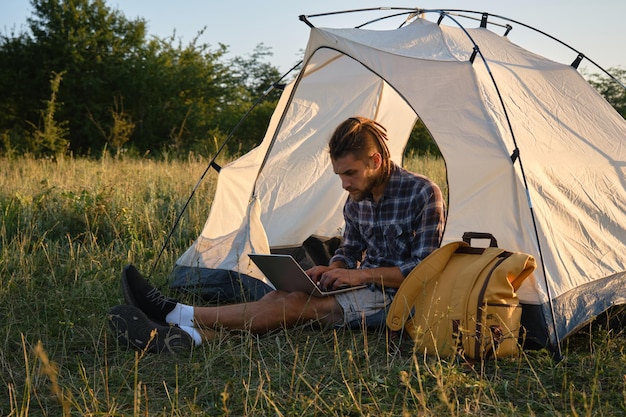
column 359, row 136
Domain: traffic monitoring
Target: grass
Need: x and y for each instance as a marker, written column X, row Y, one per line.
column 67, row 229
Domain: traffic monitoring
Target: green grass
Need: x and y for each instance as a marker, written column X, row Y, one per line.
column 67, row 229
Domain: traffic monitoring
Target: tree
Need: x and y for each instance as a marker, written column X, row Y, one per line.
column 421, row 142
column 175, row 97
column 180, row 95
column 612, row 91
column 20, row 96
column 49, row 138
column 254, row 76
column 96, row 48
column 87, row 42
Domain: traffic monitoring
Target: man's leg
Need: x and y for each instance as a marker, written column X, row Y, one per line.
column 275, row 310
column 215, row 286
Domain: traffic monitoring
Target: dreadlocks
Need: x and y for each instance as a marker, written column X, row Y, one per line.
column 360, row 137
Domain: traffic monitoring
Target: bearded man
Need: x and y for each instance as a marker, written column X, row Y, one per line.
column 393, row 220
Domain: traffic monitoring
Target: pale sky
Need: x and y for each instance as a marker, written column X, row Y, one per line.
column 595, row 28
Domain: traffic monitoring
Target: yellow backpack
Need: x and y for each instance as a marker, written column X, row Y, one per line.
column 462, row 300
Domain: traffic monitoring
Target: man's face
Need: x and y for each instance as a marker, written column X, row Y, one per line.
column 357, row 177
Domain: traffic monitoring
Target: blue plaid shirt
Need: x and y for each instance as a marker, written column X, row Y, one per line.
column 401, row 229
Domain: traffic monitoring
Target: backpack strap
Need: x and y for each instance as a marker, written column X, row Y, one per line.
column 429, row 268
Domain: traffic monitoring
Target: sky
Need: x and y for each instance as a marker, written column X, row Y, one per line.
column 596, row 28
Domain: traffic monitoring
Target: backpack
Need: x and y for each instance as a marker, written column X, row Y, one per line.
column 462, row 300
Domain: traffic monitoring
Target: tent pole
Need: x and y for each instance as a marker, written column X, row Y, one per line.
column 579, row 55
column 457, row 12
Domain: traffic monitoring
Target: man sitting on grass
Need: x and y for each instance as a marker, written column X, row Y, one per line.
column 393, row 220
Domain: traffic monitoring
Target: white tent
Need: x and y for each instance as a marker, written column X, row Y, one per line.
column 534, row 156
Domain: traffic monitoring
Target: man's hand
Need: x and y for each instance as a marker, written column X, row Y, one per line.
column 317, row 271
column 329, row 278
column 338, row 276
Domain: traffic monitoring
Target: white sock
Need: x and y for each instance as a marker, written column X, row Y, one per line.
column 195, row 334
column 182, row 315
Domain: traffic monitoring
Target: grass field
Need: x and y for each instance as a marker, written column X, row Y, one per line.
column 68, row 227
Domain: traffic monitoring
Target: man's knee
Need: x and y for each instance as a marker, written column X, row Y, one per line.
column 293, row 300
column 274, row 296
column 307, row 307
column 296, row 306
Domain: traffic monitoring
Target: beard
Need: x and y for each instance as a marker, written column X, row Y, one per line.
column 361, row 194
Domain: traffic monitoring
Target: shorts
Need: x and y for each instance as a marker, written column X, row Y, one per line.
column 365, row 307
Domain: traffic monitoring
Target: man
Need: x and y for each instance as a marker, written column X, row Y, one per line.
column 393, row 220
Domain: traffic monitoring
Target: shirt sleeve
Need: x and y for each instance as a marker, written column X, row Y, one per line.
column 351, row 250
column 428, row 226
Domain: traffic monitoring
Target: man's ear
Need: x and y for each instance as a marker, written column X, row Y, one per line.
column 376, row 160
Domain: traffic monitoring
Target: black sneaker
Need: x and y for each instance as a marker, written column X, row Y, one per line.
column 133, row 328
column 138, row 292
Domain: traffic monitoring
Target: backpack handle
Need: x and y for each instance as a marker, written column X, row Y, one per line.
column 468, row 236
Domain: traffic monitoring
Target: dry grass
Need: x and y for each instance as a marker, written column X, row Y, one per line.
column 69, row 226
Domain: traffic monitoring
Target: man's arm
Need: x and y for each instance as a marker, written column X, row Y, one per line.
column 350, row 253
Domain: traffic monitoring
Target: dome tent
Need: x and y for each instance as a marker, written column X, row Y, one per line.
column 534, row 156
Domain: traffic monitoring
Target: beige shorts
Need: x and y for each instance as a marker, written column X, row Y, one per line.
column 365, row 307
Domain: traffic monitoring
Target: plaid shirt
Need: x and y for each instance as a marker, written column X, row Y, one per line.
column 401, row 229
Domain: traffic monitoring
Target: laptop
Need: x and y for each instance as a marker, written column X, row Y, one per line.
column 284, row 272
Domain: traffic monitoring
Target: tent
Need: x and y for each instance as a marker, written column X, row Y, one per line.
column 534, row 155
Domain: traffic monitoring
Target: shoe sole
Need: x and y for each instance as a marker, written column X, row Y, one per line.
column 133, row 329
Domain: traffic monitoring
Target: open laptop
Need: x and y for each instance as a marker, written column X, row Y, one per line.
column 287, row 275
